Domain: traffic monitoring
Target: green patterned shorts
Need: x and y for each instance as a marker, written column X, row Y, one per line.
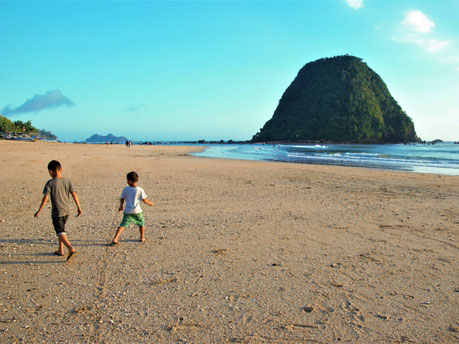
column 136, row 219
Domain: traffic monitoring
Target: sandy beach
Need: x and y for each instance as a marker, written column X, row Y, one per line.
column 236, row 251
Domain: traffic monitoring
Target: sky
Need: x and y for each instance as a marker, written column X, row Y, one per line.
column 190, row 70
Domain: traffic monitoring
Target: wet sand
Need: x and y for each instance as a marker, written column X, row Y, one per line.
column 236, row 251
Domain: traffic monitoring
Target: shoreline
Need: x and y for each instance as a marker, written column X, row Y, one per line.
column 392, row 158
column 195, row 150
column 236, row 251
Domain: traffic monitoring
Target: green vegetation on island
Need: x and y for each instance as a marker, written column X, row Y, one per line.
column 338, row 99
column 23, row 128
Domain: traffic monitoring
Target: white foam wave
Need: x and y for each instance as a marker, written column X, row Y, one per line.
column 307, row 147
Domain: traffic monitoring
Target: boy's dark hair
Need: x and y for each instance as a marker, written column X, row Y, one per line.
column 132, row 177
column 54, row 165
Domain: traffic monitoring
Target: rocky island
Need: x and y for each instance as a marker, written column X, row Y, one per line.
column 339, row 100
column 107, row 138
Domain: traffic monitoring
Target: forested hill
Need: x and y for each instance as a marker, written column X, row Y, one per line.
column 338, row 99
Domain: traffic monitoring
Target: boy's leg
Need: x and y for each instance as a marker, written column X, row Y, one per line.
column 64, row 241
column 117, row 235
column 61, row 246
column 142, row 233
column 59, row 227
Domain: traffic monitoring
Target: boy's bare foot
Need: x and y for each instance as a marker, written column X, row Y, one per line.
column 58, row 253
column 113, row 243
column 71, row 255
column 143, row 240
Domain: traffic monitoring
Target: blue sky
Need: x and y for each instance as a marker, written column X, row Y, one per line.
column 189, row 70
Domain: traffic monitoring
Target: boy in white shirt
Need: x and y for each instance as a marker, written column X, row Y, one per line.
column 132, row 195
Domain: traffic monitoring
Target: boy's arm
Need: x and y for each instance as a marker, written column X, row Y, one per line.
column 77, row 202
column 146, row 201
column 42, row 204
column 120, row 209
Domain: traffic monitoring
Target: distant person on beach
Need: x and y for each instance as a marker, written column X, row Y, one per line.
column 59, row 189
column 127, row 144
column 132, row 195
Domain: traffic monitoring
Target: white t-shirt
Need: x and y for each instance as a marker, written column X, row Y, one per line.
column 133, row 197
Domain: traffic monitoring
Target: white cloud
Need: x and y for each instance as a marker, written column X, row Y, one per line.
column 418, row 21
column 430, row 45
column 416, row 29
column 356, row 4
column 433, row 45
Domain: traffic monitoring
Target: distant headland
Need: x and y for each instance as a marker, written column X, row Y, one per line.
column 339, row 100
column 96, row 138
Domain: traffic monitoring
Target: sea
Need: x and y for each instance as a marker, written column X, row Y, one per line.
column 439, row 158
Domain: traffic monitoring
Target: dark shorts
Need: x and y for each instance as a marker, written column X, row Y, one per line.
column 59, row 224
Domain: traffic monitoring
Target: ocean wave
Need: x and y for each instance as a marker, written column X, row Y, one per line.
column 308, row 147
column 364, row 159
column 393, row 157
column 364, row 154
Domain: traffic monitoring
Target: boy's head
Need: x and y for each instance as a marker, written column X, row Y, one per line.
column 54, row 167
column 132, row 178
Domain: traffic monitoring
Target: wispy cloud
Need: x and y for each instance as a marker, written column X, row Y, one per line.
column 355, row 4
column 49, row 100
column 134, row 107
column 418, row 22
column 417, row 28
column 430, row 45
column 434, row 45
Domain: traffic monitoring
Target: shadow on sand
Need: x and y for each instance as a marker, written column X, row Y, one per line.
column 31, row 262
column 27, row 241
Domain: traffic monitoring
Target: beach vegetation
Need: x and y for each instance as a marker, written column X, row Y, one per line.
column 19, row 127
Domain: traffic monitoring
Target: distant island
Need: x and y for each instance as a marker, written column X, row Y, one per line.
column 96, row 138
column 339, row 100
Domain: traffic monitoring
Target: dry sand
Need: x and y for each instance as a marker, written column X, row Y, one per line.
column 236, row 251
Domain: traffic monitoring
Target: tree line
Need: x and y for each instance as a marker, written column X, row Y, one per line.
column 8, row 126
